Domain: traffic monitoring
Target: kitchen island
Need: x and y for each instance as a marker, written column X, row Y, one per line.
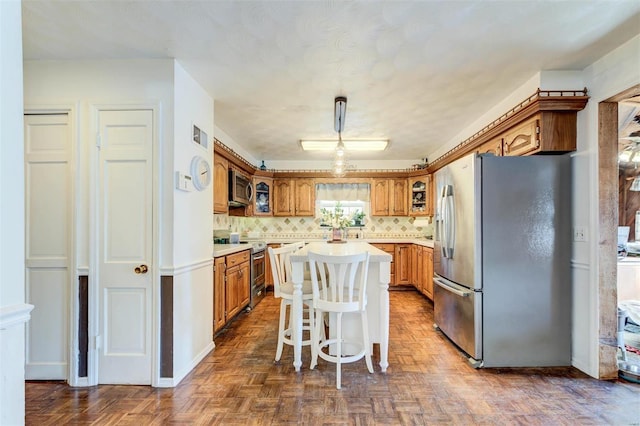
column 379, row 275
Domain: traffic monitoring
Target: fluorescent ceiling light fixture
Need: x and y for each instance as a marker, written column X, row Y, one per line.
column 350, row 145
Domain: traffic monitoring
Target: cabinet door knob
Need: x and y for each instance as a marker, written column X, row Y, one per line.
column 142, row 269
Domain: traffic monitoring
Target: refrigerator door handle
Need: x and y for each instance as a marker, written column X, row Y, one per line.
column 449, row 287
column 441, row 223
column 449, row 227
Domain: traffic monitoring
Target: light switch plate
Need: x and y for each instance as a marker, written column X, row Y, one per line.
column 579, row 233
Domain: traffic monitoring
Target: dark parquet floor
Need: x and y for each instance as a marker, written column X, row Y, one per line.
column 428, row 382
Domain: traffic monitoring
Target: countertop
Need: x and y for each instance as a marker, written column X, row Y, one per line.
column 225, row 249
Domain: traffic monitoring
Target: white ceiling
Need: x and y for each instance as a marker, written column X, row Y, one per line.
column 416, row 72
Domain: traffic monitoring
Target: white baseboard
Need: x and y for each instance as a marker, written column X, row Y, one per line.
column 170, row 382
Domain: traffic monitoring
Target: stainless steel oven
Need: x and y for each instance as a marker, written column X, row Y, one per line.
column 258, row 264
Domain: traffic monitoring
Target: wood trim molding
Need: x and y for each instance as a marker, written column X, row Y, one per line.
column 13, row 315
column 83, row 326
column 166, row 326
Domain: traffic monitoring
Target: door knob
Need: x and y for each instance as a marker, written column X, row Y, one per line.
column 142, row 269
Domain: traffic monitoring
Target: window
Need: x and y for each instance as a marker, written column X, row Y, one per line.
column 348, row 201
column 354, row 211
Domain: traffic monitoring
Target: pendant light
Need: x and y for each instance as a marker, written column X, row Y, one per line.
column 340, row 160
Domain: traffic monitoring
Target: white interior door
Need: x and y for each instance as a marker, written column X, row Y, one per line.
column 48, row 204
column 125, row 246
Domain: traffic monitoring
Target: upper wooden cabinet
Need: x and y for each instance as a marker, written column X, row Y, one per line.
column 262, row 197
column 522, row 139
column 389, row 197
column 494, row 147
column 305, row 198
column 380, row 197
column 220, row 184
column 294, row 197
column 421, row 196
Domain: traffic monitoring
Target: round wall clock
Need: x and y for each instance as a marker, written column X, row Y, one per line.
column 200, row 172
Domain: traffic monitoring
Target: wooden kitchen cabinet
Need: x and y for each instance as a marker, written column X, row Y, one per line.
column 294, row 197
column 231, row 286
column 402, row 260
column 522, row 139
column 283, row 197
column 219, row 297
column 494, row 147
column 238, row 290
column 427, row 272
column 546, row 131
column 389, row 197
column 380, row 197
column 420, row 196
column 262, row 196
column 417, row 267
column 220, row 184
column 305, row 197
column 389, row 248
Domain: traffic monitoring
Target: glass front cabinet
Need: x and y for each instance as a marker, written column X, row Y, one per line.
column 263, row 204
column 420, row 196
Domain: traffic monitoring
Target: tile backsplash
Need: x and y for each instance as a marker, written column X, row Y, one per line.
column 308, row 227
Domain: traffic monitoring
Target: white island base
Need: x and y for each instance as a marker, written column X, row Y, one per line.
column 379, row 275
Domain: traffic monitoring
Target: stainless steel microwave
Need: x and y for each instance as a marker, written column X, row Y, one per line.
column 240, row 190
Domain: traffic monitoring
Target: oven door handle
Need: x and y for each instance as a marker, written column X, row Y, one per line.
column 258, row 256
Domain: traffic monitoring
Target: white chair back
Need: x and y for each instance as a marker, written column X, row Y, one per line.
column 281, row 265
column 339, row 282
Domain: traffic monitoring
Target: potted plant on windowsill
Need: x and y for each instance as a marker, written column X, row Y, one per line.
column 358, row 218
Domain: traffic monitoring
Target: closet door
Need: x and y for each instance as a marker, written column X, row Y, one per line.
column 48, row 204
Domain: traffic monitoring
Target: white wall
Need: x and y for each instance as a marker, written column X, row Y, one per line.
column 12, row 295
column 192, row 231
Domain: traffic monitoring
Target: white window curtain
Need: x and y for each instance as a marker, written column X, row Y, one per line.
column 343, row 191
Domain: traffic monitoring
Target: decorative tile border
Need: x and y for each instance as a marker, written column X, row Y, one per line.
column 307, row 227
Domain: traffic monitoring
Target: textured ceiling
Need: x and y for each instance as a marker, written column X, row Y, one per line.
column 416, row 72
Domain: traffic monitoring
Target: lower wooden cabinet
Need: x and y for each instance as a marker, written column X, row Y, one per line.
column 231, row 287
column 219, row 297
column 422, row 269
column 402, row 260
column 427, row 272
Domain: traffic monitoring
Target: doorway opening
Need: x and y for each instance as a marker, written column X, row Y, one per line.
column 608, row 220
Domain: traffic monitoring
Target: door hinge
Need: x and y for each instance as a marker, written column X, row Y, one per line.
column 98, row 140
column 97, row 342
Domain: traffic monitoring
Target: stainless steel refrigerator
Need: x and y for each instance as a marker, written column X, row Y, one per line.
column 502, row 251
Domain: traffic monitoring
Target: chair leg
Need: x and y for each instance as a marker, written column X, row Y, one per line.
column 315, row 339
column 281, row 329
column 339, row 350
column 365, row 340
